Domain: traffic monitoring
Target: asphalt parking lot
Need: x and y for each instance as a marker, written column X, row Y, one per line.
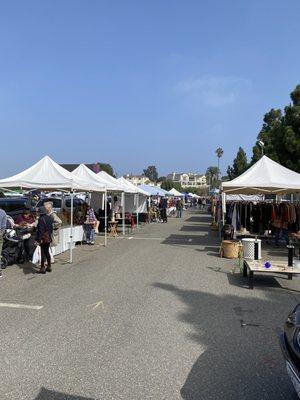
column 155, row 315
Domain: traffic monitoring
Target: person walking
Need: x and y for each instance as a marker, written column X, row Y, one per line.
column 3, row 224
column 43, row 238
column 90, row 224
column 164, row 206
column 179, row 207
column 56, row 223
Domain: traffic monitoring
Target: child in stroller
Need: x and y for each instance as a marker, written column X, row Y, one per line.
column 13, row 249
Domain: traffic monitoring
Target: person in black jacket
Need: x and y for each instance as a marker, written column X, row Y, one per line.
column 43, row 238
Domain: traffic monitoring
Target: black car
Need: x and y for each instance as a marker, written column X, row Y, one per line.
column 290, row 346
column 15, row 206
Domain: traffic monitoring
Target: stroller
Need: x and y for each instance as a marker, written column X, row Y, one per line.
column 13, row 250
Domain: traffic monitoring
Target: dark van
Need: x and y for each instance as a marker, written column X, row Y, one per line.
column 14, row 206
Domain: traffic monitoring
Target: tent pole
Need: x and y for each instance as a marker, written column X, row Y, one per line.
column 123, row 213
column 71, row 229
column 105, row 218
column 137, row 210
column 223, row 207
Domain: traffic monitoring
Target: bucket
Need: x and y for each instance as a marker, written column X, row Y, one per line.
column 248, row 248
column 230, row 249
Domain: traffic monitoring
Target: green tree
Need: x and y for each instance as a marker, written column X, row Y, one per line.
column 280, row 134
column 270, row 133
column 212, row 176
column 107, row 168
column 168, row 184
column 151, row 173
column 240, row 164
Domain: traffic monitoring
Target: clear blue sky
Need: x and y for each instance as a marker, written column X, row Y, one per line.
column 141, row 82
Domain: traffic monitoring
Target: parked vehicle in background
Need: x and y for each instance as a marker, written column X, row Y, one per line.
column 57, row 203
column 290, row 346
column 61, row 203
column 14, row 206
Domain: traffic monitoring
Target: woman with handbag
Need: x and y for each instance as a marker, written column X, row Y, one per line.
column 43, row 238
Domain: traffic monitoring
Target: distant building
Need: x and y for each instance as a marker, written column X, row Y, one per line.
column 189, row 179
column 139, row 180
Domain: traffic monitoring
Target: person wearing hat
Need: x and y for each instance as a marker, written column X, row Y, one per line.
column 43, row 238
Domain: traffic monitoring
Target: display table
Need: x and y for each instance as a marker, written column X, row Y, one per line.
column 254, row 267
column 65, row 240
column 112, row 228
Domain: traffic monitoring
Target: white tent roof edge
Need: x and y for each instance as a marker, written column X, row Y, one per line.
column 46, row 174
column 265, row 176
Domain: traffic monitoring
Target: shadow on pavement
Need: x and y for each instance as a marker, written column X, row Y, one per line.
column 28, row 268
column 46, row 394
column 240, row 355
column 194, row 228
column 207, row 240
column 205, row 218
column 209, row 244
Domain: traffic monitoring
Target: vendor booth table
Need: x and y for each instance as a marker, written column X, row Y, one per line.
column 254, row 267
column 65, row 241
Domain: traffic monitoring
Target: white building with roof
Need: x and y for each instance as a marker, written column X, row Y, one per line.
column 189, row 179
column 139, row 180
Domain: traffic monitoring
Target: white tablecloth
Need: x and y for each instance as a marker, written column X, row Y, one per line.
column 65, row 240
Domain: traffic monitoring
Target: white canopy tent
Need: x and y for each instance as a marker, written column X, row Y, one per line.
column 264, row 177
column 46, row 174
column 121, row 187
column 88, row 176
column 140, row 197
column 83, row 172
column 115, row 185
column 132, row 187
column 195, row 196
column 175, row 192
column 154, row 190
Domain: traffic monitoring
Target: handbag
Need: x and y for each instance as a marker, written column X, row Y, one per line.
column 46, row 237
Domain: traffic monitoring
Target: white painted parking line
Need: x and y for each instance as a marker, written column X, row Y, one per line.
column 23, row 306
column 96, row 305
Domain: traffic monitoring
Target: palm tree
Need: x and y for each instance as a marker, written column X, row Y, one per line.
column 219, row 153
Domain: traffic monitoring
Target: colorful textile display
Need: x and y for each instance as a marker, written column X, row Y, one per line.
column 258, row 217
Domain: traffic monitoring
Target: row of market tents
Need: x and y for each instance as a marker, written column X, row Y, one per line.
column 47, row 175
